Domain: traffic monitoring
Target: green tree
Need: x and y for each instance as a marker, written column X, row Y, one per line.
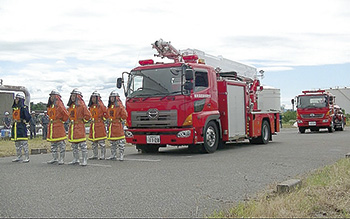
column 289, row 115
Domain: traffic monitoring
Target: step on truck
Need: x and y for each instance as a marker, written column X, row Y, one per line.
column 189, row 102
column 316, row 110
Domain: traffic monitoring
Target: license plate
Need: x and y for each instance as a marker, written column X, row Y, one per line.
column 312, row 123
column 153, row 139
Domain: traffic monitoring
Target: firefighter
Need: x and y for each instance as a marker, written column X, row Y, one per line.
column 78, row 116
column 97, row 127
column 58, row 114
column 20, row 115
column 116, row 114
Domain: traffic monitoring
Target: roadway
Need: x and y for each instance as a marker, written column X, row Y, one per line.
column 171, row 183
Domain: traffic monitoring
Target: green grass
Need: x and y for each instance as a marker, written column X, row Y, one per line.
column 324, row 193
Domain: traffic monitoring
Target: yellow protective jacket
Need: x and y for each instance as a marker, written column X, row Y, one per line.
column 97, row 125
column 58, row 114
column 116, row 114
column 78, row 116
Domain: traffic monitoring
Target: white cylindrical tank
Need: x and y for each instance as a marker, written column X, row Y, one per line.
column 269, row 99
column 342, row 97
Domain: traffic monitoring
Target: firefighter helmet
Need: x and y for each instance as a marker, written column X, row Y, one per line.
column 55, row 92
column 114, row 94
column 95, row 94
column 20, row 96
column 76, row 91
column 7, row 113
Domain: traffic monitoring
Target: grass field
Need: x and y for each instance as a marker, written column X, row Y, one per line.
column 323, row 194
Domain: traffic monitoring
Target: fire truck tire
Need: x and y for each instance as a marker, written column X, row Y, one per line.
column 331, row 128
column 265, row 133
column 211, row 137
column 342, row 127
column 302, row 130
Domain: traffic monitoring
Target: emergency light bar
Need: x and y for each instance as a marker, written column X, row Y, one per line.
column 190, row 58
column 146, row 62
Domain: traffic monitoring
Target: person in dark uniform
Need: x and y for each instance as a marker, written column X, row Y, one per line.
column 44, row 122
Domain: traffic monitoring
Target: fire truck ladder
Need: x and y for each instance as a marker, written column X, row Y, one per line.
column 165, row 49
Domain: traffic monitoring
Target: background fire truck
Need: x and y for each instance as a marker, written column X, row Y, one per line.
column 190, row 102
column 317, row 110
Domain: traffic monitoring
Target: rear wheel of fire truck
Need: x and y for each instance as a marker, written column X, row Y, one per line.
column 211, row 137
column 265, row 133
column 302, row 130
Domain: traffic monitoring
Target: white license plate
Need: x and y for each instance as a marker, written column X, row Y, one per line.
column 312, row 123
column 153, row 139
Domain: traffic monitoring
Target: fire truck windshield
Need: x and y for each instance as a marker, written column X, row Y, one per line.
column 317, row 101
column 155, row 82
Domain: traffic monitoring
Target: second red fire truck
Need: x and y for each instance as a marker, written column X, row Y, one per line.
column 316, row 110
column 189, row 102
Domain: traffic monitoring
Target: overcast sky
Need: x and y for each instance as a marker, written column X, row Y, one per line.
column 64, row 44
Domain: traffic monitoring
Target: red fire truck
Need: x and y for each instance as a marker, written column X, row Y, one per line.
column 190, row 103
column 316, row 110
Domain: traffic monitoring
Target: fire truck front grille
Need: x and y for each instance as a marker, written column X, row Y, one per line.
column 309, row 116
column 165, row 118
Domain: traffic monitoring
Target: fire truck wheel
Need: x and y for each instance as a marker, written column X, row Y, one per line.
column 331, row 128
column 265, row 133
column 342, row 127
column 211, row 137
column 302, row 130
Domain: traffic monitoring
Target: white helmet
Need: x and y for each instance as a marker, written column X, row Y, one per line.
column 114, row 94
column 55, row 92
column 76, row 91
column 33, row 112
column 7, row 113
column 95, row 94
column 20, row 96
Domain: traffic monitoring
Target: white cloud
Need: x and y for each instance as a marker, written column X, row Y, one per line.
column 89, row 43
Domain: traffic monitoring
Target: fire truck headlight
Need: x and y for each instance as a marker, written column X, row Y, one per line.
column 129, row 134
column 299, row 121
column 184, row 134
column 325, row 120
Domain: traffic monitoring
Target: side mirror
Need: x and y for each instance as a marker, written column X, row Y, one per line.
column 292, row 101
column 119, row 83
column 188, row 85
column 189, row 75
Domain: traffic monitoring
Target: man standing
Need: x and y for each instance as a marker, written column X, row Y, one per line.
column 116, row 114
column 57, row 114
column 7, row 121
column 44, row 123
column 97, row 127
column 20, row 115
column 78, row 115
column 32, row 125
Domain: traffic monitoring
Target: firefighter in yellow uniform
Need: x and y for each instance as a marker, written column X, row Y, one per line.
column 78, row 116
column 116, row 114
column 97, row 126
column 20, row 116
column 56, row 134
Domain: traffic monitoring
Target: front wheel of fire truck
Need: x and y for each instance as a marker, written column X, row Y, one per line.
column 331, row 128
column 211, row 137
column 302, row 130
